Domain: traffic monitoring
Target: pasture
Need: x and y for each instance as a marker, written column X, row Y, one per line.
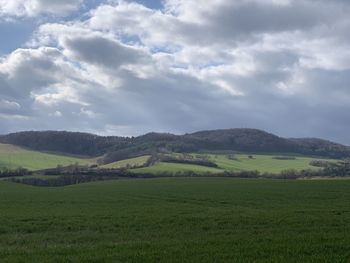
column 177, row 220
column 137, row 161
column 163, row 168
column 262, row 163
column 13, row 157
column 241, row 162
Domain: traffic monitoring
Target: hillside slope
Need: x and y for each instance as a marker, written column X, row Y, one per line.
column 118, row 148
column 320, row 147
column 12, row 157
column 77, row 143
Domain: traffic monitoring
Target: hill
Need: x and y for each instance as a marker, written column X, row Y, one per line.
column 77, row 143
column 315, row 146
column 118, row 148
column 241, row 140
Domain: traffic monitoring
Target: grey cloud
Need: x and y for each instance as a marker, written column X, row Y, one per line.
column 224, row 23
column 290, row 71
column 102, row 51
column 256, row 17
column 230, row 22
column 27, row 70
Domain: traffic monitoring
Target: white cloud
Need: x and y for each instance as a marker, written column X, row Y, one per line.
column 13, row 117
column 9, row 105
column 87, row 113
column 57, row 114
column 272, row 64
column 32, row 8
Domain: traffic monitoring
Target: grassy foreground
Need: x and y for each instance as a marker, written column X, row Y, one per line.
column 13, row 156
column 177, row 220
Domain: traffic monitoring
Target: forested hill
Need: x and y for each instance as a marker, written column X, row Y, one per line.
column 116, row 148
column 77, row 143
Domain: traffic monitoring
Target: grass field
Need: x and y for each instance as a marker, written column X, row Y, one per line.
column 177, row 220
column 259, row 162
column 161, row 168
column 128, row 162
column 262, row 163
column 12, row 157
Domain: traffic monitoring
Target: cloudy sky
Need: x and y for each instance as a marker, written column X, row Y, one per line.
column 129, row 67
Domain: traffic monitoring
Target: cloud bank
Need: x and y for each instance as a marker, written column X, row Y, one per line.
column 125, row 69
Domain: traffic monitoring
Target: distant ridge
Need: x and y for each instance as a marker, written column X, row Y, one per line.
column 116, row 148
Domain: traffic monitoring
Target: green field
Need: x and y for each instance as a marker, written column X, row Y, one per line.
column 13, row 157
column 161, row 168
column 128, row 162
column 177, row 220
column 262, row 163
column 259, row 162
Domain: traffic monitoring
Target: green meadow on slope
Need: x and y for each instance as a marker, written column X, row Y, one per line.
column 161, row 168
column 138, row 161
column 242, row 162
column 262, row 163
column 177, row 220
column 13, row 157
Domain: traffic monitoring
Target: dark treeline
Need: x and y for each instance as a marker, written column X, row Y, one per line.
column 286, row 158
column 320, row 163
column 88, row 170
column 341, row 169
column 5, row 172
column 71, row 179
column 118, row 148
column 75, row 143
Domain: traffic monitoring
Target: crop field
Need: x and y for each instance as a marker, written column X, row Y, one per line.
column 12, row 157
column 177, row 220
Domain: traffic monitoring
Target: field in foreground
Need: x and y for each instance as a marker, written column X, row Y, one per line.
column 177, row 220
column 13, row 157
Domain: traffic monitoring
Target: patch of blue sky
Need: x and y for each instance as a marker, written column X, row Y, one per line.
column 128, row 39
column 210, row 65
column 83, row 11
column 153, row 4
column 168, row 49
column 14, row 34
column 75, row 63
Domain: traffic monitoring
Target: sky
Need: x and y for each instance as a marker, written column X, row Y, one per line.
column 118, row 67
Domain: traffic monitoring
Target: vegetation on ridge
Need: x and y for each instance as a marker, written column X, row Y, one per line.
column 119, row 148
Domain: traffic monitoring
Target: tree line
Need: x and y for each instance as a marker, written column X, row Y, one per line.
column 6, row 172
